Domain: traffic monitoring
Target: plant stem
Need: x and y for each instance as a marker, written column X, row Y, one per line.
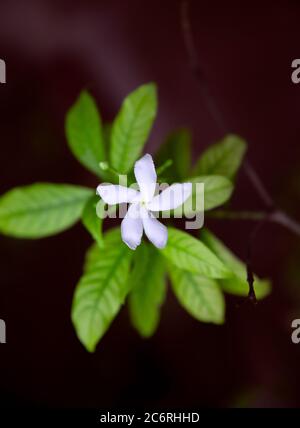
column 106, row 167
column 282, row 218
column 237, row 215
column 273, row 213
column 164, row 166
column 258, row 185
column 276, row 216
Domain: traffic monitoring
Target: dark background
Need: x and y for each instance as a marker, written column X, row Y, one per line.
column 53, row 49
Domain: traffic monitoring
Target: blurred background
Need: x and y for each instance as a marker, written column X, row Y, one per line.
column 54, row 49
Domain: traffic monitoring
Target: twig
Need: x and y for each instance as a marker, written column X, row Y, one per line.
column 276, row 216
column 196, row 67
column 164, row 166
column 237, row 215
column 218, row 117
column 282, row 218
column 273, row 214
column 258, row 185
column 250, row 245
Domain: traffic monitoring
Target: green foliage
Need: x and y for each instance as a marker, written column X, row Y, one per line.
column 177, row 147
column 217, row 191
column 148, row 289
column 198, row 269
column 84, row 133
column 201, row 297
column 132, row 126
column 223, row 158
column 41, row 209
column 91, row 221
column 238, row 283
column 101, row 290
column 188, row 253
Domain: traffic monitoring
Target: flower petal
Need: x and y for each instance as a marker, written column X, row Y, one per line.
column 171, row 198
column 156, row 232
column 115, row 194
column 145, row 175
column 132, row 227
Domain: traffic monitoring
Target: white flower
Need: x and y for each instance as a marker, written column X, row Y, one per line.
column 143, row 204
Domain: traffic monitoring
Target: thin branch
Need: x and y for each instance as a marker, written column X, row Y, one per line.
column 237, row 215
column 282, row 218
column 258, row 185
column 212, row 107
column 249, row 258
column 196, row 67
column 276, row 216
column 273, row 214
column 164, row 166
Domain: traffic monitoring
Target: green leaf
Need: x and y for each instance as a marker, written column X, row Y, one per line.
column 92, row 221
column 148, row 289
column 238, row 283
column 101, row 290
column 84, row 133
column 201, row 297
column 217, row 191
column 41, row 209
column 223, row 158
column 188, row 253
column 132, row 126
column 177, row 147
